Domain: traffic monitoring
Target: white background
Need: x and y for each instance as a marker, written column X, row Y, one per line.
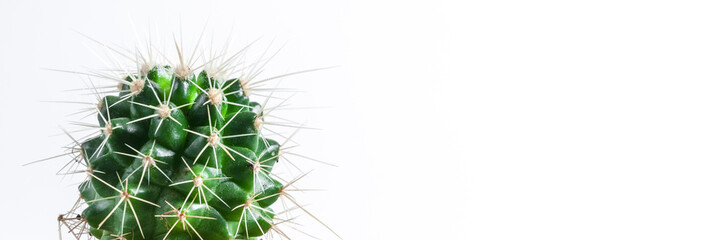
column 448, row 120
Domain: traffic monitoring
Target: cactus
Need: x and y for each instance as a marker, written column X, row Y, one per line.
column 180, row 154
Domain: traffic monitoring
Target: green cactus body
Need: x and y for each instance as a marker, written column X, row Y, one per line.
column 179, row 157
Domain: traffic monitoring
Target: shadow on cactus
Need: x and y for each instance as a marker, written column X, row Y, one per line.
column 182, row 152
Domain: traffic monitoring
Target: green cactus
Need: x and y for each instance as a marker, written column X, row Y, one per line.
column 179, row 155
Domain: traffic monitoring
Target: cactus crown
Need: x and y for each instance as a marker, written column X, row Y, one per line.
column 180, row 153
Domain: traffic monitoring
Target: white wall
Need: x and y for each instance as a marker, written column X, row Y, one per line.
column 449, row 120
